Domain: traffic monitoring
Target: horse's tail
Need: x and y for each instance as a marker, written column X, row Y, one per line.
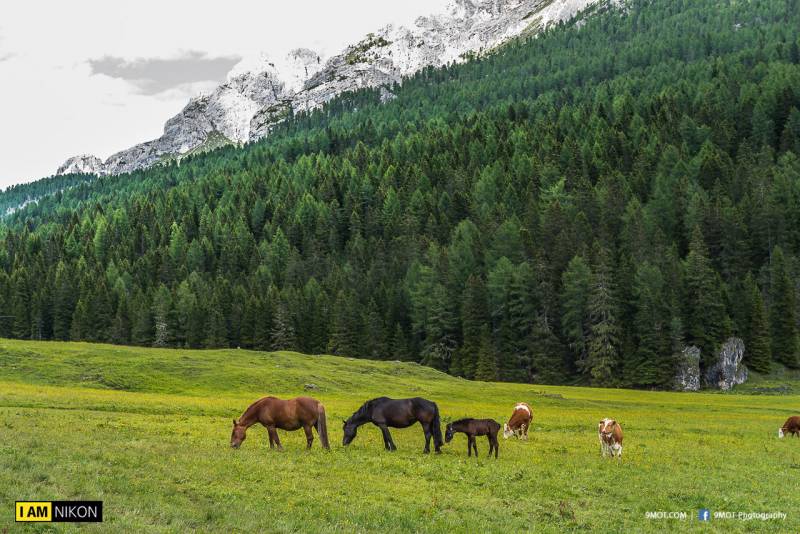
column 437, row 427
column 322, row 426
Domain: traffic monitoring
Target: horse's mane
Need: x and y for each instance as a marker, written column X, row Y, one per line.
column 365, row 408
column 464, row 420
column 253, row 406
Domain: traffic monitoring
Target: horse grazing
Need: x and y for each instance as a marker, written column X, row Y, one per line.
column 273, row 413
column 520, row 422
column 384, row 412
column 791, row 426
column 610, row 434
column 472, row 428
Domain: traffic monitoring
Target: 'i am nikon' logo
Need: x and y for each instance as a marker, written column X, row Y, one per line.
column 59, row 511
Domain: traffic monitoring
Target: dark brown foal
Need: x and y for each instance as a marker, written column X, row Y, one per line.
column 472, row 428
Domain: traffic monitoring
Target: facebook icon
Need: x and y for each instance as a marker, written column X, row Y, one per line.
column 704, row 514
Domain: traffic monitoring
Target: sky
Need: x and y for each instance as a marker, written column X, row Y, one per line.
column 96, row 77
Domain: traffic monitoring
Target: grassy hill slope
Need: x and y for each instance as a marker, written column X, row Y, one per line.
column 147, row 430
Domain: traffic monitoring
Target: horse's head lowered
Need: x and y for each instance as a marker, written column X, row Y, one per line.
column 448, row 433
column 350, row 430
column 238, row 435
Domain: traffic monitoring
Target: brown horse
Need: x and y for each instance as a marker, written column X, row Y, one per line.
column 273, row 413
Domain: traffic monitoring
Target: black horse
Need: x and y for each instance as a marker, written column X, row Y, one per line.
column 472, row 428
column 384, row 412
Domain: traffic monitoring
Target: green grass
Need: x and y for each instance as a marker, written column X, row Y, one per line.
column 147, row 432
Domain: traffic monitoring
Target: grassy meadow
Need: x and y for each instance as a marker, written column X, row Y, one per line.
column 147, row 432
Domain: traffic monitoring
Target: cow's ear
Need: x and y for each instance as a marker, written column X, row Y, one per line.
column 613, row 422
column 234, row 422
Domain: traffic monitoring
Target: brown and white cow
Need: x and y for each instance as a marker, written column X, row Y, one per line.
column 520, row 421
column 792, row 426
column 610, row 434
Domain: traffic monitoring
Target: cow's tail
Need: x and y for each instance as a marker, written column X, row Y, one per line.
column 322, row 426
column 437, row 427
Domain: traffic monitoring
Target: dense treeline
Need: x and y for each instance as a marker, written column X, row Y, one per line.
column 578, row 207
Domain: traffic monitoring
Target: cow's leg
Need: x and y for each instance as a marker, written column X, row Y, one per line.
column 493, row 439
column 525, row 432
column 309, row 436
column 475, row 446
column 271, row 441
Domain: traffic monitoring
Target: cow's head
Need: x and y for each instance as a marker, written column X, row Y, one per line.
column 780, row 433
column 606, row 427
column 507, row 432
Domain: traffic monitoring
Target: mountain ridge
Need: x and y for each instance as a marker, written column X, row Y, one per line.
column 252, row 101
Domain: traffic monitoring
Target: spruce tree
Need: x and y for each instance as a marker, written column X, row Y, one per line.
column 603, row 346
column 576, row 283
column 121, row 325
column 707, row 320
column 346, row 328
column 783, row 323
column 64, row 300
column 757, row 343
column 486, row 368
column 651, row 364
column 142, row 328
column 473, row 319
column 283, row 335
column 81, row 322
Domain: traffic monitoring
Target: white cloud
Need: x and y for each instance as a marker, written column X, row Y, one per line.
column 54, row 105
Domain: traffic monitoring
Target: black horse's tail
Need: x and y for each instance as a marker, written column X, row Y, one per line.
column 437, row 428
column 322, row 426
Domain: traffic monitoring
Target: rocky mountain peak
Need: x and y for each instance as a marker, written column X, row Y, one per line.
column 260, row 93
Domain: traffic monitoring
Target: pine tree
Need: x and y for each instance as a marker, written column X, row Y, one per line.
column 473, row 318
column 189, row 316
column 142, row 328
column 783, row 324
column 398, row 346
column 282, row 336
column 121, row 325
column 81, row 322
column 757, row 342
column 63, row 303
column 163, row 317
column 486, row 369
column 442, row 326
column 346, row 328
column 651, row 364
column 216, row 326
column 20, row 305
column 707, row 320
column 576, row 282
column 603, row 347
